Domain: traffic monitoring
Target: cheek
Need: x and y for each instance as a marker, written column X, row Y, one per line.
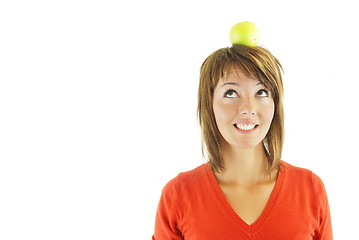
column 268, row 112
column 223, row 112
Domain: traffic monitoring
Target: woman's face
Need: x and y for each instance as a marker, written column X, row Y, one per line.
column 243, row 109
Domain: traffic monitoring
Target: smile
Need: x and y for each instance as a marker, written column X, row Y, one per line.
column 245, row 128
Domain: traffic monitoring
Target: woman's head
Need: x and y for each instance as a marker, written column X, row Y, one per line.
column 262, row 70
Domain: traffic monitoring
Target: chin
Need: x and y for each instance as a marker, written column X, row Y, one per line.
column 240, row 143
column 245, row 145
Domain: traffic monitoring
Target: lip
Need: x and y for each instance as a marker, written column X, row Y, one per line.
column 244, row 122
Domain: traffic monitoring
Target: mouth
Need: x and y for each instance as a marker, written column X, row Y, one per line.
column 246, row 128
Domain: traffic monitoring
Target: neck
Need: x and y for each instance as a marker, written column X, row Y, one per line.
column 244, row 166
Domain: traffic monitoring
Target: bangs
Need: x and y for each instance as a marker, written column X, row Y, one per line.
column 254, row 62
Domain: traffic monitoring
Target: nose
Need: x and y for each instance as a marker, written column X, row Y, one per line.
column 246, row 107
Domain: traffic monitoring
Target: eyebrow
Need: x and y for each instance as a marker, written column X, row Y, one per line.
column 237, row 84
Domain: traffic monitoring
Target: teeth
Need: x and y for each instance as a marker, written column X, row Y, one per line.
column 245, row 127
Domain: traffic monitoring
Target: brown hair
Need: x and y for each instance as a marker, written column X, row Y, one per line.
column 259, row 63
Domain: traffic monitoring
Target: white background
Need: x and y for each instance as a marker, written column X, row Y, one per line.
column 98, row 106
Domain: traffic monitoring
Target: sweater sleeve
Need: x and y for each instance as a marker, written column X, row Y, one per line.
column 167, row 217
column 324, row 230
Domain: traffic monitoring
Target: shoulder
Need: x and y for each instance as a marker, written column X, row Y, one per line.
column 305, row 197
column 187, row 180
column 303, row 177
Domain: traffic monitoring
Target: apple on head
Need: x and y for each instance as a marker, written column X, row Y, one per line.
column 244, row 33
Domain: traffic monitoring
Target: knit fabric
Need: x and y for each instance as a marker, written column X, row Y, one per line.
column 193, row 207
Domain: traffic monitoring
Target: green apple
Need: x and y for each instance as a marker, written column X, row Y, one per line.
column 244, row 33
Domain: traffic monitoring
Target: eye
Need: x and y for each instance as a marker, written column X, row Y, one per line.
column 230, row 94
column 263, row 93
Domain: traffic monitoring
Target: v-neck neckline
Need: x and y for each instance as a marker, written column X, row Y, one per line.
column 270, row 206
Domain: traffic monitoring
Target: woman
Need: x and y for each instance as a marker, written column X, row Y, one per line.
column 245, row 190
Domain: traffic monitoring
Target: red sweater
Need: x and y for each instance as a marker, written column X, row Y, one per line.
column 193, row 207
